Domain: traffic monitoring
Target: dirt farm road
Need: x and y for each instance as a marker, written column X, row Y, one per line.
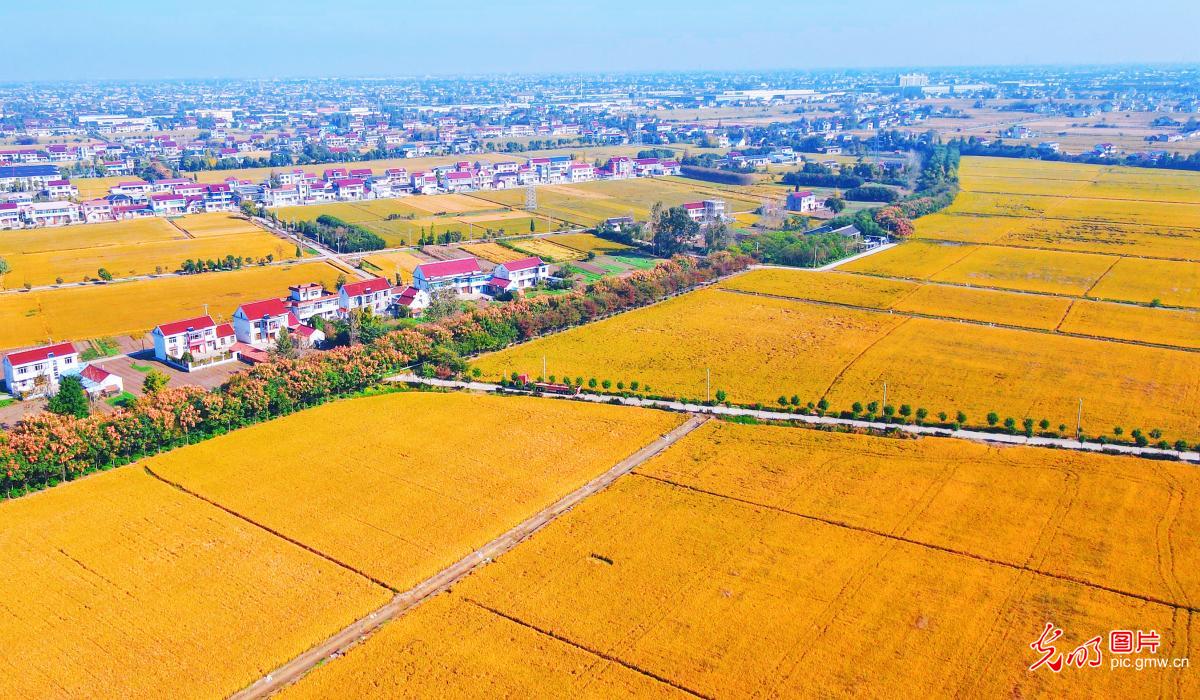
column 404, row 601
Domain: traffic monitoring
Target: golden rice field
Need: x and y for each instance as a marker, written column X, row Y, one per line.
column 761, row 348
column 1168, row 214
column 1177, row 327
column 1141, row 280
column 451, row 647
column 756, row 347
column 492, row 252
column 918, row 260
column 589, row 243
column 1047, row 271
column 547, row 250
column 452, row 472
column 395, row 262
column 987, row 306
column 1063, row 234
column 97, row 187
column 130, row 248
column 119, row 585
column 784, row 562
column 834, row 287
column 93, row 311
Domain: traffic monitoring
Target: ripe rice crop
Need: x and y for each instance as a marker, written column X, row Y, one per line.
column 986, row 305
column 755, row 347
column 1180, row 328
column 95, row 311
column 589, row 243
column 753, row 585
column 947, row 366
column 96, row 187
column 86, row 236
column 492, row 252
column 1136, row 279
column 1062, row 234
column 912, row 260
column 452, row 472
column 839, row 288
column 1046, row 271
column 215, row 224
column 452, row 647
column 547, row 250
column 1172, row 214
column 119, row 585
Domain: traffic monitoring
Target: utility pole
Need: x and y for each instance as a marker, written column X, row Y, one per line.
column 708, row 382
column 544, row 375
column 1079, row 422
column 884, row 397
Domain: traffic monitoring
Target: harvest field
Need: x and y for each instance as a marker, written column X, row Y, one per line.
column 455, row 471
column 395, row 261
column 785, row 561
column 759, row 349
column 94, row 311
column 426, row 215
column 131, row 248
column 589, row 243
column 547, row 250
column 492, row 252
column 119, row 585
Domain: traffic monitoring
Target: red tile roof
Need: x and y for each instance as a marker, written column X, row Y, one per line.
column 96, row 374
column 376, row 284
column 176, row 327
column 522, row 264
column 38, row 354
column 450, row 268
column 267, row 307
column 224, row 330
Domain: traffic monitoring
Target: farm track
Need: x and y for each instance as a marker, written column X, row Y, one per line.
column 931, row 546
column 404, row 601
column 972, row 322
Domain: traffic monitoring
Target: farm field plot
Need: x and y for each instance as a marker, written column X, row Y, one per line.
column 121, row 585
column 1051, row 272
column 756, row 347
column 979, row 369
column 455, row 471
column 1137, row 279
column 85, row 236
column 1168, row 214
column 79, row 313
column 486, row 655
column 133, row 259
column 913, row 260
column 548, row 250
column 1180, row 328
column 987, row 306
column 96, row 187
column 589, row 243
column 396, row 261
column 839, row 288
column 1061, row 234
column 492, row 252
column 1139, row 191
column 215, row 224
column 751, row 586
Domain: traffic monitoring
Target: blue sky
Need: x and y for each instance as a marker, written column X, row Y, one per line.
column 96, row 39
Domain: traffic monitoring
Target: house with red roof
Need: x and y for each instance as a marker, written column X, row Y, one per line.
column 801, row 201
column 350, row 188
column 376, row 294
column 36, row 372
column 194, row 342
column 10, row 215
column 413, row 299
column 259, row 323
column 463, row 275
column 458, row 181
column 99, row 382
column 168, row 204
column 61, row 189
column 520, row 274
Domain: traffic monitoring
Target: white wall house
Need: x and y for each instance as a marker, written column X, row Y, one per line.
column 518, row 274
column 194, row 342
column 35, row 372
column 462, row 274
column 375, row 294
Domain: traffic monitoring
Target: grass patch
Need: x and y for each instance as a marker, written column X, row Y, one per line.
column 140, row 367
column 121, row 400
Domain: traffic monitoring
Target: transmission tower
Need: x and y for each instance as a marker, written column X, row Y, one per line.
column 530, row 197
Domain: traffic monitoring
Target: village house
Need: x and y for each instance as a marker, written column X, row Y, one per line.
column 36, row 372
column 804, row 201
column 709, row 211
column 52, row 213
column 10, row 215
column 99, row 383
column 374, row 294
column 194, row 342
column 463, row 275
column 516, row 275
column 413, row 299
column 258, row 324
column 61, row 189
column 311, row 300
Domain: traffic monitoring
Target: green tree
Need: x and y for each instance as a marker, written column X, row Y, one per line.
column 155, row 381
column 4, row 270
column 992, row 418
column 104, row 274
column 70, row 399
column 442, row 303
column 285, row 347
column 721, row 396
column 673, row 231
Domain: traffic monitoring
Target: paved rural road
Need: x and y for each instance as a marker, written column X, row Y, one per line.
column 406, row 600
column 326, row 254
column 977, row 435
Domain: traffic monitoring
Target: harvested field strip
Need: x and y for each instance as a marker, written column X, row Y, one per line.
column 492, row 252
column 547, row 250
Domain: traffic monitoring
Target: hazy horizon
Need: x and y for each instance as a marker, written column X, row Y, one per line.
column 277, row 39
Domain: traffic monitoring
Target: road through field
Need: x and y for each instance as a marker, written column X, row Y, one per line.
column 406, row 600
